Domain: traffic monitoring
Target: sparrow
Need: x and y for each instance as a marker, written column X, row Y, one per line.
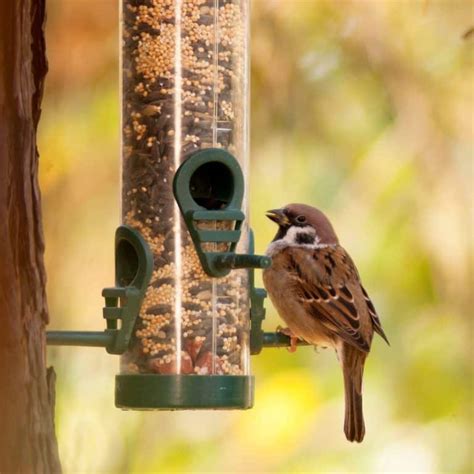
column 316, row 289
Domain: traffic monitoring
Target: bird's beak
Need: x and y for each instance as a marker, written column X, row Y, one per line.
column 278, row 216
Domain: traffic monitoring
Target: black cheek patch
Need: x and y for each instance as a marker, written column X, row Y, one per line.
column 304, row 238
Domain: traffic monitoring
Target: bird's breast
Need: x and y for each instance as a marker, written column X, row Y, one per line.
column 283, row 295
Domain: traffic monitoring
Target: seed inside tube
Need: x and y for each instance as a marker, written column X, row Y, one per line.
column 212, row 334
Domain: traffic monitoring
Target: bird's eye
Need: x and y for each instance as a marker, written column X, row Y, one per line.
column 301, row 219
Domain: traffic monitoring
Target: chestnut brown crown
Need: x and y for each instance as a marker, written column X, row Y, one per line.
column 302, row 215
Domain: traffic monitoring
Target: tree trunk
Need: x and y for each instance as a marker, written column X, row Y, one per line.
column 27, row 438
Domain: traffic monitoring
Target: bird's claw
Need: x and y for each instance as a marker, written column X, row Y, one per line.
column 293, row 339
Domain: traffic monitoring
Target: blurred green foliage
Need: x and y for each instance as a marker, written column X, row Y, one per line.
column 363, row 109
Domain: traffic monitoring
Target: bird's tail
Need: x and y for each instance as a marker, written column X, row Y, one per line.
column 353, row 368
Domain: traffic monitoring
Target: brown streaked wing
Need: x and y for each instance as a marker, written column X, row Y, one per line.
column 374, row 316
column 324, row 278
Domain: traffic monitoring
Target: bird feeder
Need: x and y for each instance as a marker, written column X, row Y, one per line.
column 184, row 314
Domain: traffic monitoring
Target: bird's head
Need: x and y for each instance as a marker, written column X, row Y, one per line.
column 299, row 224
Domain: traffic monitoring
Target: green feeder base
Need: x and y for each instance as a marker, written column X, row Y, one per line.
column 180, row 392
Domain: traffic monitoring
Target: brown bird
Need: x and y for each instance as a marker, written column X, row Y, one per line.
column 315, row 287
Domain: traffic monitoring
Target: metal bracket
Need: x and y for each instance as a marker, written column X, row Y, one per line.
column 133, row 269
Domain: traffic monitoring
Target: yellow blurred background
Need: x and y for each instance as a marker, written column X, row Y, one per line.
column 363, row 109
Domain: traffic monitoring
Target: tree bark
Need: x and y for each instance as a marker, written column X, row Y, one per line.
column 27, row 437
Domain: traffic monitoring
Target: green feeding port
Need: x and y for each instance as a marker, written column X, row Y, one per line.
column 209, row 188
column 212, row 184
column 133, row 268
column 126, row 263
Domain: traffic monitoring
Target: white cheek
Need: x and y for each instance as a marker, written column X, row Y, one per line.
column 290, row 235
column 290, row 240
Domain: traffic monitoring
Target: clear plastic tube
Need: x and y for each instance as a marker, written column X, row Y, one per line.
column 184, row 88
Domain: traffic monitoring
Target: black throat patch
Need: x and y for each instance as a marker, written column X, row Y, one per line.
column 304, row 238
column 280, row 234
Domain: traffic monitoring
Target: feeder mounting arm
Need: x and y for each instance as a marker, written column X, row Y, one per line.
column 121, row 305
column 133, row 267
